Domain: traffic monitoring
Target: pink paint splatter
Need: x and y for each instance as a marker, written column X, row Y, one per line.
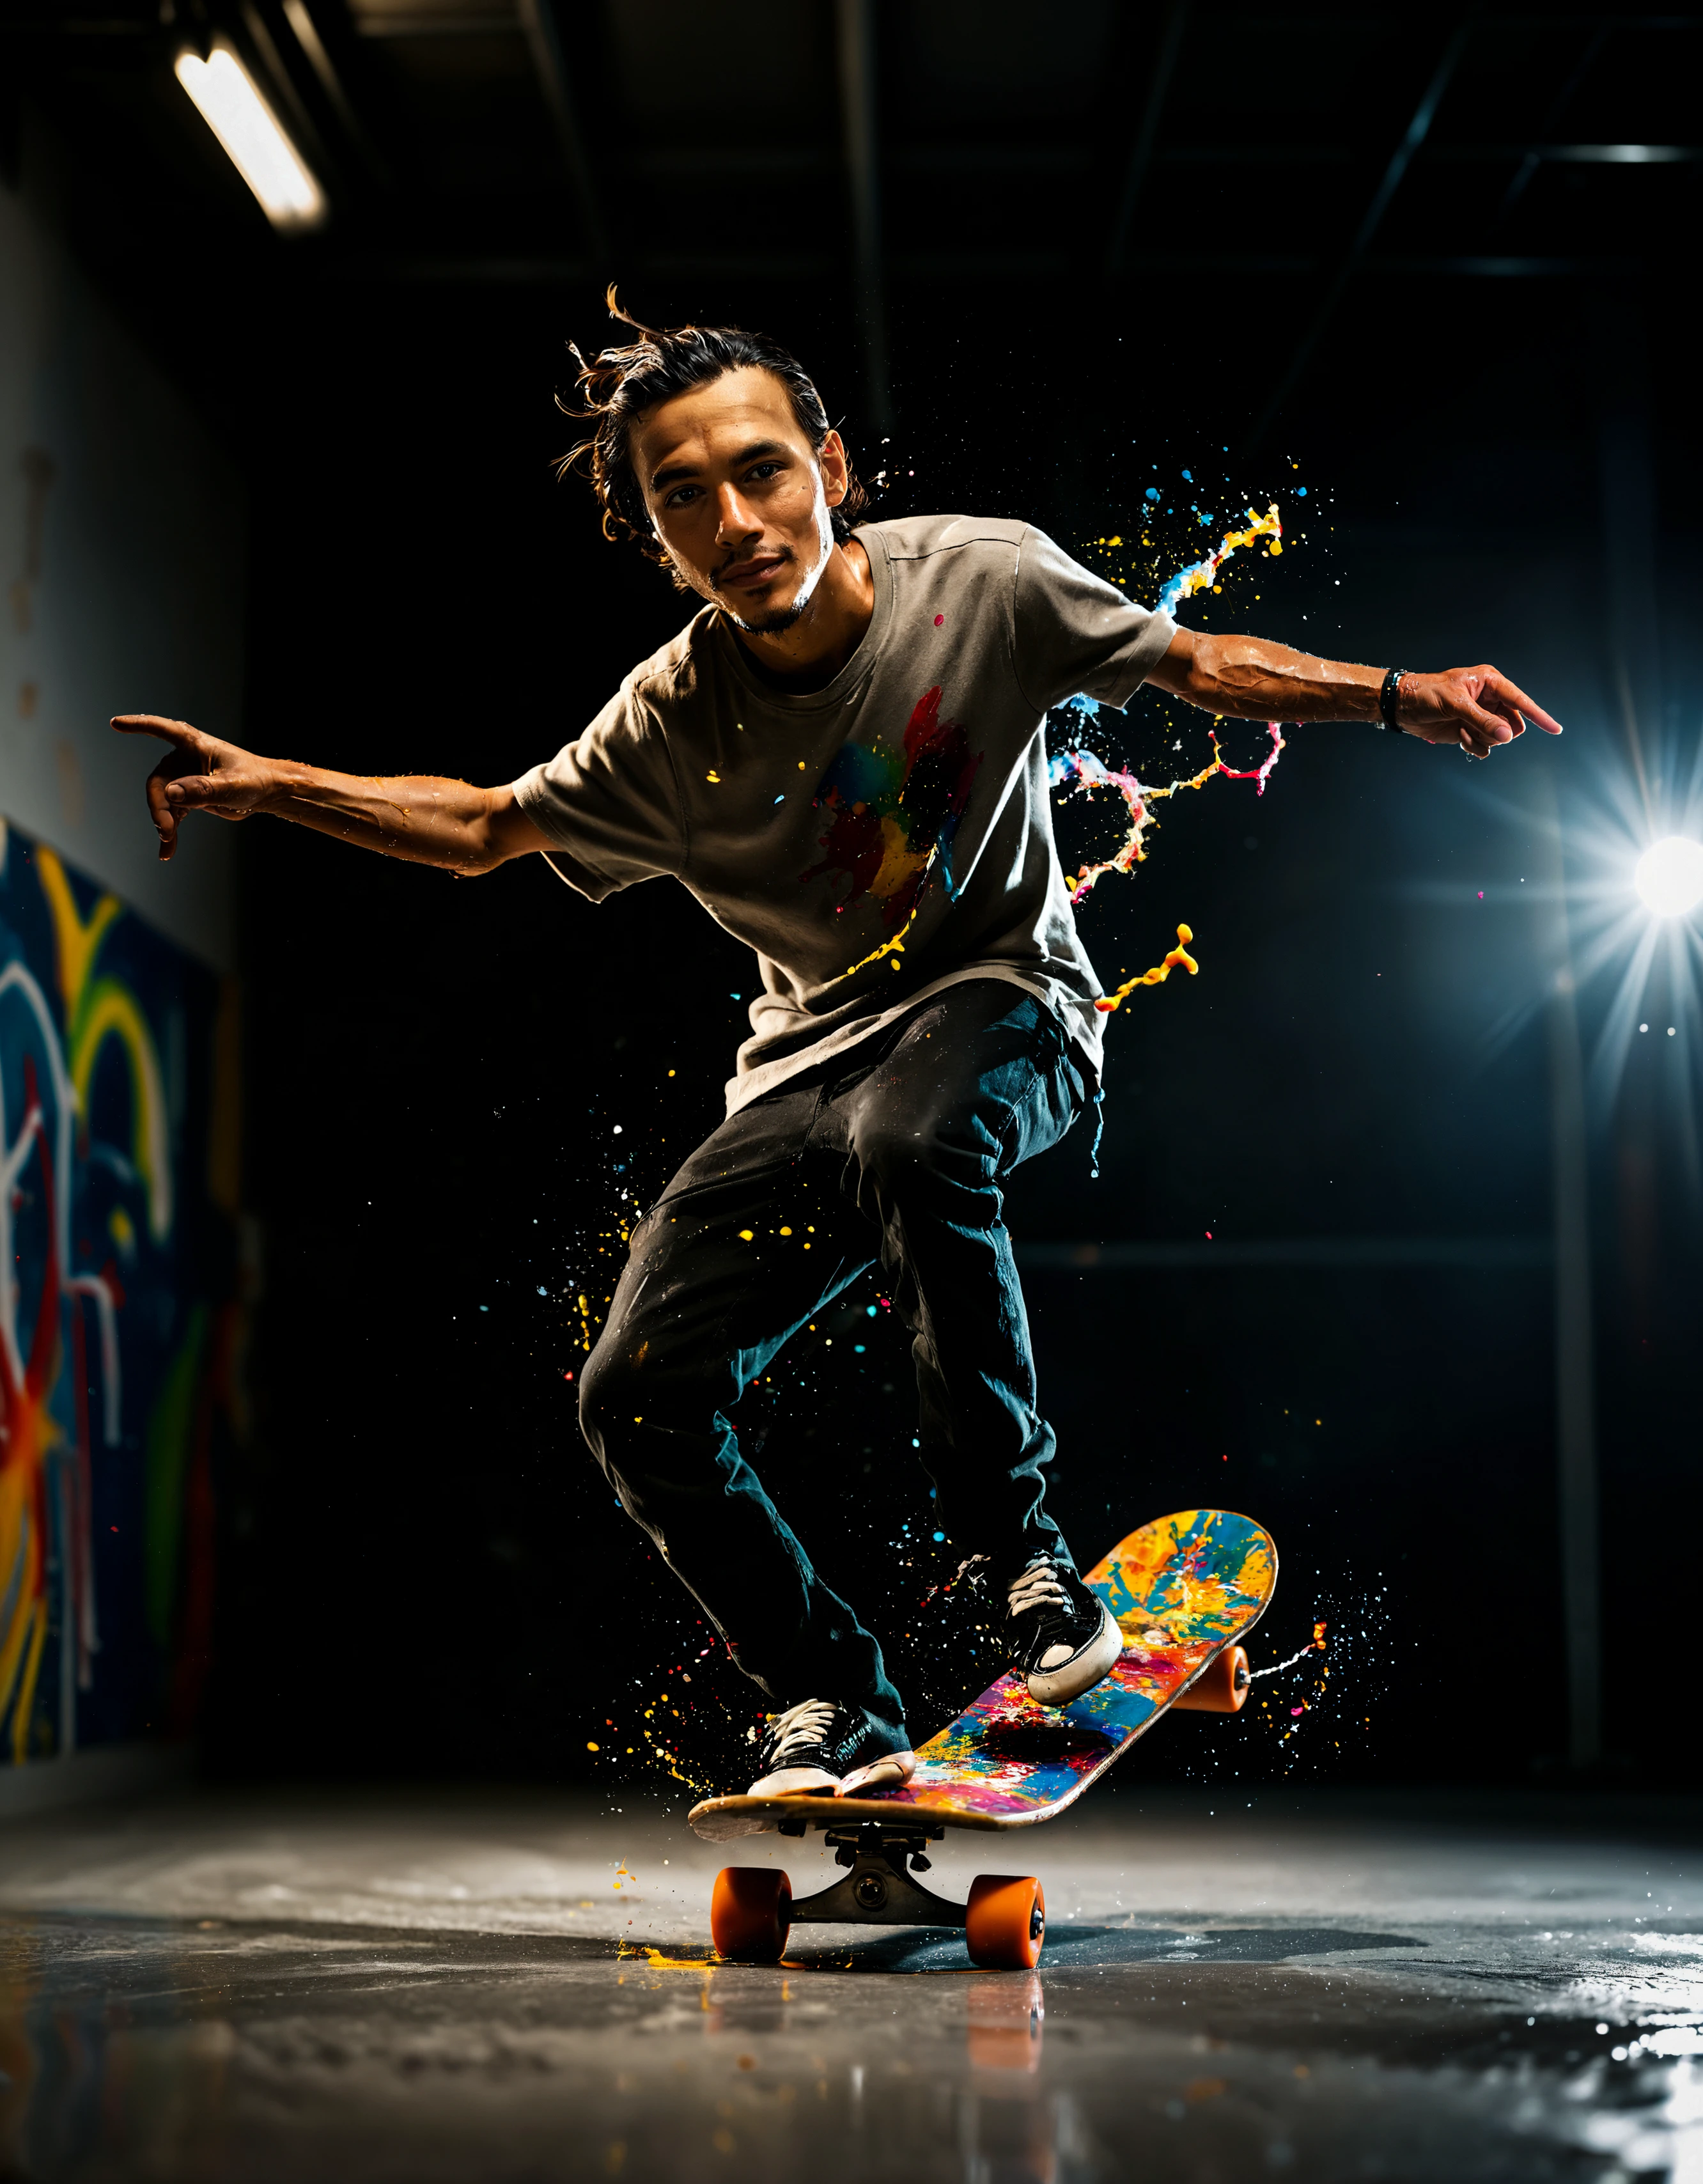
column 938, row 619
column 1081, row 770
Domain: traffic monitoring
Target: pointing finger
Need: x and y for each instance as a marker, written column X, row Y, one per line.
column 180, row 732
column 1511, row 695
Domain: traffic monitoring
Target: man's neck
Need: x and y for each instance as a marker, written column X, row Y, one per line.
column 809, row 655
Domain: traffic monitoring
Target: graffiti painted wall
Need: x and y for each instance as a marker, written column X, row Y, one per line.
column 119, row 1323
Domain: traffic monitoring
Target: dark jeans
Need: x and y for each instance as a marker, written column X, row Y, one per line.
column 894, row 1151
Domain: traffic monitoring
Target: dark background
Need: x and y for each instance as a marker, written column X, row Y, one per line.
column 1103, row 244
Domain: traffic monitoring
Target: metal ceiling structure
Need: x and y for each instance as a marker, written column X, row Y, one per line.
column 1276, row 164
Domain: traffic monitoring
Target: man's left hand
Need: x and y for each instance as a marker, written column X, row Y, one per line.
column 1475, row 707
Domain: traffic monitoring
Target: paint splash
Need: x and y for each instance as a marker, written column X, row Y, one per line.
column 661, row 1961
column 1075, row 769
column 1316, row 1644
column 1179, row 959
column 1203, row 574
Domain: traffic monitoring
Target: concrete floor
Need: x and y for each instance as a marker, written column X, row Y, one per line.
column 490, row 1988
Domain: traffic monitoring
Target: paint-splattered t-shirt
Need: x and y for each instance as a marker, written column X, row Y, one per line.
column 887, row 835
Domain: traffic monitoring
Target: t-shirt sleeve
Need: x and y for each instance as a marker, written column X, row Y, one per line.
column 608, row 802
column 1075, row 631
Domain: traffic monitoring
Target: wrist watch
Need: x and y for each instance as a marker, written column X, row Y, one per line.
column 1387, row 697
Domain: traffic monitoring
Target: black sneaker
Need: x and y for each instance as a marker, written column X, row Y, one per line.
column 1064, row 1639
column 820, row 1748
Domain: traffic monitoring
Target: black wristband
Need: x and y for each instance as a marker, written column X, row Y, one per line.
column 1386, row 696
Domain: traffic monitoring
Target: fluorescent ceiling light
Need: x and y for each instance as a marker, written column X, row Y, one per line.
column 240, row 118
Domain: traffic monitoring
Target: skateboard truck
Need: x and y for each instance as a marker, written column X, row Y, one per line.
column 878, row 1890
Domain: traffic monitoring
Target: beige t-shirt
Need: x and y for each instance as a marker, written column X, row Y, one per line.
column 904, row 803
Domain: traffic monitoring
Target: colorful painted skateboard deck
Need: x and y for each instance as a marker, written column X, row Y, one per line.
column 1182, row 1588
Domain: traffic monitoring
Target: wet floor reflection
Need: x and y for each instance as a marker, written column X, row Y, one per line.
column 220, row 2051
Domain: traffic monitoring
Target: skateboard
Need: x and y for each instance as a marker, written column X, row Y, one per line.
column 1185, row 1589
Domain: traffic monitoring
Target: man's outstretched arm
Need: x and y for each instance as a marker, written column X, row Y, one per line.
column 420, row 816
column 1249, row 679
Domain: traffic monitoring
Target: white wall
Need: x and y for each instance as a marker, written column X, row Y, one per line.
column 121, row 586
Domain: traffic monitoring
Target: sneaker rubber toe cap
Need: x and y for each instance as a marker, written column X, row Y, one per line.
column 1057, row 1683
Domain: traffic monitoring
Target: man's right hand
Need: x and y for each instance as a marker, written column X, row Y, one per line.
column 423, row 817
column 198, row 773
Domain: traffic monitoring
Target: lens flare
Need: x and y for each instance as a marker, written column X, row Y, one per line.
column 1669, row 876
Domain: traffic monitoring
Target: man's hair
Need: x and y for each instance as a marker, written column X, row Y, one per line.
column 619, row 385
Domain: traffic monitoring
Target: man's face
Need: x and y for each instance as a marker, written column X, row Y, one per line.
column 737, row 498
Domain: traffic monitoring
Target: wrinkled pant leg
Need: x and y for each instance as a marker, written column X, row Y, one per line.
column 981, row 1079
column 710, row 1292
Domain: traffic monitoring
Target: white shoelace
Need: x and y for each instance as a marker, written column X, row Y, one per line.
column 798, row 1727
column 1037, row 1586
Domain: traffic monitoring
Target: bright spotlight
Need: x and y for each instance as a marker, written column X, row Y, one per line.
column 240, row 118
column 1669, row 876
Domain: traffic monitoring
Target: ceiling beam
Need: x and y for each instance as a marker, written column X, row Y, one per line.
column 1414, row 134
column 854, row 29
column 541, row 28
column 307, row 37
column 1477, row 154
column 1552, row 121
column 1147, row 131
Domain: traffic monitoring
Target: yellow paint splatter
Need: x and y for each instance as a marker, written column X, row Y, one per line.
column 1179, row 958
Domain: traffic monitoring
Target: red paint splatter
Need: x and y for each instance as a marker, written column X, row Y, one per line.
column 938, row 619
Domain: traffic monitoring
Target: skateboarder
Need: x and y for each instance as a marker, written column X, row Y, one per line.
column 841, row 756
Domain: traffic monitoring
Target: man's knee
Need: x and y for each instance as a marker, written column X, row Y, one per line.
column 896, row 1159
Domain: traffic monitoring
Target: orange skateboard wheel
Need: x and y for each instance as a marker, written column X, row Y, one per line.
column 1224, row 1687
column 1005, row 1922
column 750, row 1912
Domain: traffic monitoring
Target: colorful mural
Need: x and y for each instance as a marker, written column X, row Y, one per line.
column 119, row 1320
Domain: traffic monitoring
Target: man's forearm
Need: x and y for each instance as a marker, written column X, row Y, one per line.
column 426, row 818
column 1248, row 678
